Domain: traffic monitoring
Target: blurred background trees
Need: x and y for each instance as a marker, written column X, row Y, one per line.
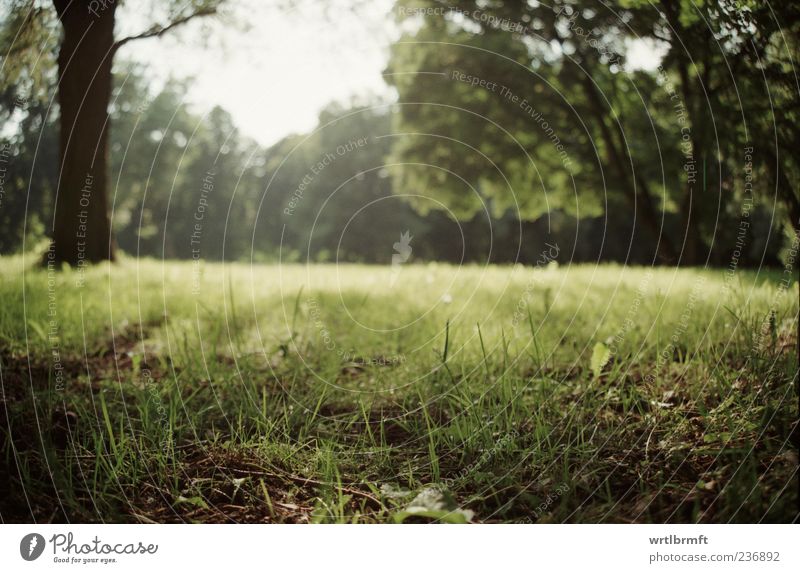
column 86, row 40
column 514, row 124
column 657, row 151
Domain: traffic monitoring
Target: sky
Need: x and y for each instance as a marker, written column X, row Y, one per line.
column 273, row 70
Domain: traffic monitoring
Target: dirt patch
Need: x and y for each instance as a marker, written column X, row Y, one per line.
column 233, row 486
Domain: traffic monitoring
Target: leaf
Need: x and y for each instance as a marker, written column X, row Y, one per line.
column 600, row 357
column 237, row 485
column 391, row 491
column 435, row 504
column 719, row 437
column 196, row 501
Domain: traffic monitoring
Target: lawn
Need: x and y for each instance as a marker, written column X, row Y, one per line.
column 225, row 392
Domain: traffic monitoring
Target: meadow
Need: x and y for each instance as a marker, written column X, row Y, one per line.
column 152, row 391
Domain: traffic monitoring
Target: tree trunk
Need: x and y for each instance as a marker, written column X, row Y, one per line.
column 691, row 208
column 635, row 188
column 81, row 227
column 691, row 211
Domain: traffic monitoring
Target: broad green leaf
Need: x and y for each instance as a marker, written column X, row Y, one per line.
column 600, row 357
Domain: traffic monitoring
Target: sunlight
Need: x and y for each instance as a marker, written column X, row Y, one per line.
column 276, row 69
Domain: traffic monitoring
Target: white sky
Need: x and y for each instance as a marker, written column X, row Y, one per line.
column 644, row 54
column 276, row 76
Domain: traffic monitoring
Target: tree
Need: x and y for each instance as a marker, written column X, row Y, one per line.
column 546, row 122
column 81, row 227
column 666, row 144
column 733, row 67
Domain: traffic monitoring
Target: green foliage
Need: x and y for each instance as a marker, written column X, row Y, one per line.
column 512, row 176
column 28, row 43
column 537, row 109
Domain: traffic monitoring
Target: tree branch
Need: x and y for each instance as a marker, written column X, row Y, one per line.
column 157, row 31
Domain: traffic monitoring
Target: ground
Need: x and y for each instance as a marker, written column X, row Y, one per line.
column 219, row 392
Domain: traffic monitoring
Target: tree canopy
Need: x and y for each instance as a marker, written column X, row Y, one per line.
column 519, row 121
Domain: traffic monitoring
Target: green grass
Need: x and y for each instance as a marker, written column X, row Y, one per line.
column 323, row 393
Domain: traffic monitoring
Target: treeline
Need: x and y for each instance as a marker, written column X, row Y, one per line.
column 189, row 185
column 516, row 126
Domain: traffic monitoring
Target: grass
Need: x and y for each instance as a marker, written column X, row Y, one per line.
column 172, row 391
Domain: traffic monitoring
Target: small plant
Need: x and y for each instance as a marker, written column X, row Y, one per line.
column 601, row 355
